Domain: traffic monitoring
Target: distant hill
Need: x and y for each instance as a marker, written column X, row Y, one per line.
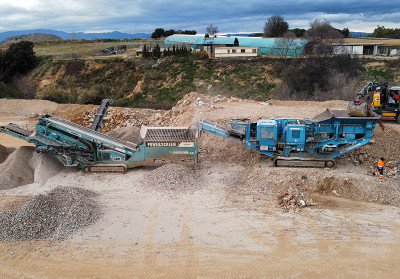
column 77, row 35
column 359, row 34
column 34, row 37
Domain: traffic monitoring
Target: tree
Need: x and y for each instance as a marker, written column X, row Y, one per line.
column 189, row 32
column 299, row 32
column 145, row 52
column 345, row 32
column 322, row 30
column 158, row 33
column 18, row 59
column 169, row 33
column 212, row 30
column 256, row 35
column 287, row 45
column 321, row 37
column 382, row 32
column 156, row 51
column 275, row 26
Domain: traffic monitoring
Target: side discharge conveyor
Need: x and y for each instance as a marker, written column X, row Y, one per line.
column 299, row 142
column 88, row 149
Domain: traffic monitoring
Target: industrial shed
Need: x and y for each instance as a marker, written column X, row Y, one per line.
column 264, row 45
column 281, row 46
column 363, row 49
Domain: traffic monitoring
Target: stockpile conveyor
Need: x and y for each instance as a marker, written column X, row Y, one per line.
column 87, row 148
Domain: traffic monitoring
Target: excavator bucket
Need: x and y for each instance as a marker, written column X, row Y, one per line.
column 357, row 110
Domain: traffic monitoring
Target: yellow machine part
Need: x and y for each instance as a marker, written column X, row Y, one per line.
column 393, row 114
column 377, row 99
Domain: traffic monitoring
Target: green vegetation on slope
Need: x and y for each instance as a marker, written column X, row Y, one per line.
column 146, row 83
column 161, row 83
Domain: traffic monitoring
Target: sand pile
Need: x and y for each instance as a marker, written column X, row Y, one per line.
column 131, row 134
column 16, row 170
column 4, row 152
column 44, row 166
column 27, row 107
column 173, row 178
column 189, row 109
column 25, row 166
column 217, row 149
column 55, row 215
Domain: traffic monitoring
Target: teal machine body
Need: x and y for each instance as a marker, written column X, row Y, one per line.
column 88, row 149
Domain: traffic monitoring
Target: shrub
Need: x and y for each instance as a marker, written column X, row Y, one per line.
column 58, row 96
column 95, row 97
column 318, row 78
column 74, row 67
column 380, row 74
column 26, row 88
column 18, row 59
column 8, row 92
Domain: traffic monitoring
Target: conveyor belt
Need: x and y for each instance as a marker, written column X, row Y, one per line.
column 18, row 130
column 102, row 138
column 98, row 118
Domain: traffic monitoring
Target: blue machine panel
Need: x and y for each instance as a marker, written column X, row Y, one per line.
column 296, row 135
column 267, row 134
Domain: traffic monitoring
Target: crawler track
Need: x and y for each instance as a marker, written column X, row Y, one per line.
column 106, row 168
column 304, row 162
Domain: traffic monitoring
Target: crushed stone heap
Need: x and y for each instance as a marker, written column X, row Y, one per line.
column 173, row 177
column 53, row 216
column 23, row 166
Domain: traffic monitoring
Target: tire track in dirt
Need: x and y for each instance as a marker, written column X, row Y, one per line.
column 149, row 257
column 187, row 246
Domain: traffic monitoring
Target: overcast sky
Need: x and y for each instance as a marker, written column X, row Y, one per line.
column 229, row 16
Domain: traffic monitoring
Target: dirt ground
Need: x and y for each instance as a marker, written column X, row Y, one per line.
column 222, row 219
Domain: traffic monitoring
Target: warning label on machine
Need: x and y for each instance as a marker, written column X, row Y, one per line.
column 161, row 144
column 170, row 144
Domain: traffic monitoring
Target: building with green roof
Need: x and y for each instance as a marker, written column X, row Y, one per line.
column 280, row 46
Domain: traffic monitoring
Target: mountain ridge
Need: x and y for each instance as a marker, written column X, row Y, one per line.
column 75, row 35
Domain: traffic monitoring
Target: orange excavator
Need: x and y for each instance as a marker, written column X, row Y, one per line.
column 379, row 98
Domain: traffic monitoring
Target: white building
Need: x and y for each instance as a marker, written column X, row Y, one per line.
column 363, row 49
column 224, row 52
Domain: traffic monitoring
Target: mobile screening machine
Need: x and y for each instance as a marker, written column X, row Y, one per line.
column 88, row 149
column 299, row 142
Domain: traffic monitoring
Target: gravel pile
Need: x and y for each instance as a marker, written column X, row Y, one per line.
column 16, row 170
column 384, row 143
column 173, row 178
column 27, row 107
column 118, row 117
column 25, row 166
column 4, row 152
column 131, row 134
column 53, row 216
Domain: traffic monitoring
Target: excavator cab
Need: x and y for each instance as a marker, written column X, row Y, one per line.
column 394, row 97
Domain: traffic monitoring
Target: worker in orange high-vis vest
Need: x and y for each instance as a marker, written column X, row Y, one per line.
column 381, row 164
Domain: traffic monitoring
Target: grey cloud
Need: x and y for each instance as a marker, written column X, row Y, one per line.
column 229, row 16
